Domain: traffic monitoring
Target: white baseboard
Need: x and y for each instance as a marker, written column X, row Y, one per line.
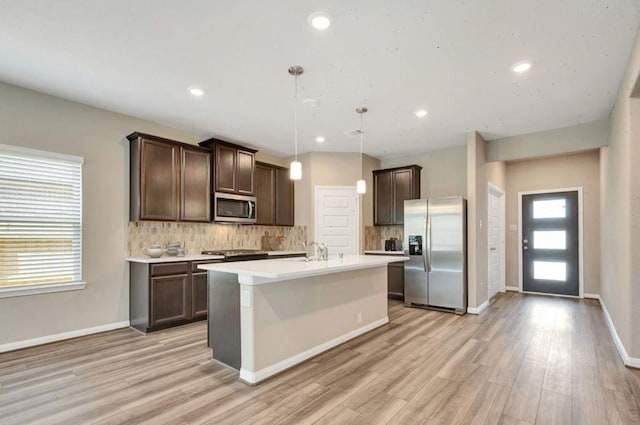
column 512, row 288
column 478, row 310
column 255, row 377
column 628, row 361
column 11, row 346
column 591, row 296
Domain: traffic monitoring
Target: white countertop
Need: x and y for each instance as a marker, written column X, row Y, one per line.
column 266, row 271
column 382, row 252
column 174, row 259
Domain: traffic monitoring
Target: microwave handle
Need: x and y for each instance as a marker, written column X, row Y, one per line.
column 250, row 209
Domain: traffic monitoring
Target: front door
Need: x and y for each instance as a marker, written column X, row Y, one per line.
column 550, row 243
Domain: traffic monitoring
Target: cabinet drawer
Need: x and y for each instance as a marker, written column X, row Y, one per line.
column 169, row 269
column 195, row 264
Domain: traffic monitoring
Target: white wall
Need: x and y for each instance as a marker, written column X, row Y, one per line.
column 39, row 121
column 572, row 170
column 620, row 211
column 477, row 190
column 576, row 138
column 444, row 171
column 333, row 169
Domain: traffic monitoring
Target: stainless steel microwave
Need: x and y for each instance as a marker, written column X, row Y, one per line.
column 234, row 208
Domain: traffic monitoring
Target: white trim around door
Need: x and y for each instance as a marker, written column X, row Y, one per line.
column 493, row 189
column 580, row 236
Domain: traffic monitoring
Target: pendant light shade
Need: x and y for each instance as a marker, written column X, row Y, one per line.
column 361, row 185
column 295, row 168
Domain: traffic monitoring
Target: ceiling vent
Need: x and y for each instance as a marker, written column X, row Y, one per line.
column 354, row 133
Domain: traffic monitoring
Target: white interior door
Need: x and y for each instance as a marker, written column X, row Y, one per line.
column 495, row 228
column 337, row 219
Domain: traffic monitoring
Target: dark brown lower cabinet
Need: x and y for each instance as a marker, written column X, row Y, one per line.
column 169, row 299
column 163, row 295
column 199, row 295
column 395, row 276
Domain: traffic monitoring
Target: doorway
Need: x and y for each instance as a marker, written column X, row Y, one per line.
column 550, row 242
column 495, row 239
column 337, row 219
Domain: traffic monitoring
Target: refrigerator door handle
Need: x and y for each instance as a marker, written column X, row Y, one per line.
column 427, row 250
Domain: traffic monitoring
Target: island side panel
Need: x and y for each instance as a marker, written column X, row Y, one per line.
column 224, row 318
column 289, row 321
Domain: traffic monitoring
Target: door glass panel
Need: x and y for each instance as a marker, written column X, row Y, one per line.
column 549, row 208
column 550, row 270
column 556, row 239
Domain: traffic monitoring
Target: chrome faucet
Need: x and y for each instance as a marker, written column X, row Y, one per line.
column 323, row 251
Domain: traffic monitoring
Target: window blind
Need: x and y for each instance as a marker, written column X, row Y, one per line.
column 40, row 217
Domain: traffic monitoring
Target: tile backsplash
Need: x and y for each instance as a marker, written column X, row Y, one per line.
column 374, row 236
column 197, row 237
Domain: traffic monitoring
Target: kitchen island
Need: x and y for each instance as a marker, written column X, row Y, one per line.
column 266, row 316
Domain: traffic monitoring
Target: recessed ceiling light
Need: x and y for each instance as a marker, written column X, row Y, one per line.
column 421, row 113
column 521, row 67
column 320, row 139
column 320, row 20
column 196, row 91
column 310, row 102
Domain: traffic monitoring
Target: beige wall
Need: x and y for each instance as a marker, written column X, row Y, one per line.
column 559, row 141
column 333, row 169
column 477, row 179
column 620, row 211
column 34, row 120
column 497, row 174
column 444, row 171
column 576, row 170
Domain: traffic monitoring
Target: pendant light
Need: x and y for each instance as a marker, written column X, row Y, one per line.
column 361, row 185
column 295, row 168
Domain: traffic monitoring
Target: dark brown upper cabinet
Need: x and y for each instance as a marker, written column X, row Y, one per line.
column 195, row 184
column 234, row 167
column 391, row 187
column 169, row 180
column 274, row 195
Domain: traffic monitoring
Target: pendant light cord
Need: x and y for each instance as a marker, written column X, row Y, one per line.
column 295, row 117
column 361, row 147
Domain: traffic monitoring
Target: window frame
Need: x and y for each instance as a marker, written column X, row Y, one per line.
column 43, row 288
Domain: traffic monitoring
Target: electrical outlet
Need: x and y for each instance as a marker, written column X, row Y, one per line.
column 359, row 317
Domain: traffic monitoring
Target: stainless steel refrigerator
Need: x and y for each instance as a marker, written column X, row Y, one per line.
column 435, row 238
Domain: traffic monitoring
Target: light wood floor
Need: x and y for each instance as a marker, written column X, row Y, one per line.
column 527, row 360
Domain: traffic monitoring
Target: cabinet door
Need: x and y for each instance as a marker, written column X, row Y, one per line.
column 284, row 199
column 265, row 195
column 195, row 186
column 170, row 299
column 198, row 295
column 383, row 198
column 403, row 190
column 225, row 169
column 245, row 167
column 395, row 277
column 159, row 180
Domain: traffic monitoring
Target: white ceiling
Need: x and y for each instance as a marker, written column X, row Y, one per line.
column 452, row 57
